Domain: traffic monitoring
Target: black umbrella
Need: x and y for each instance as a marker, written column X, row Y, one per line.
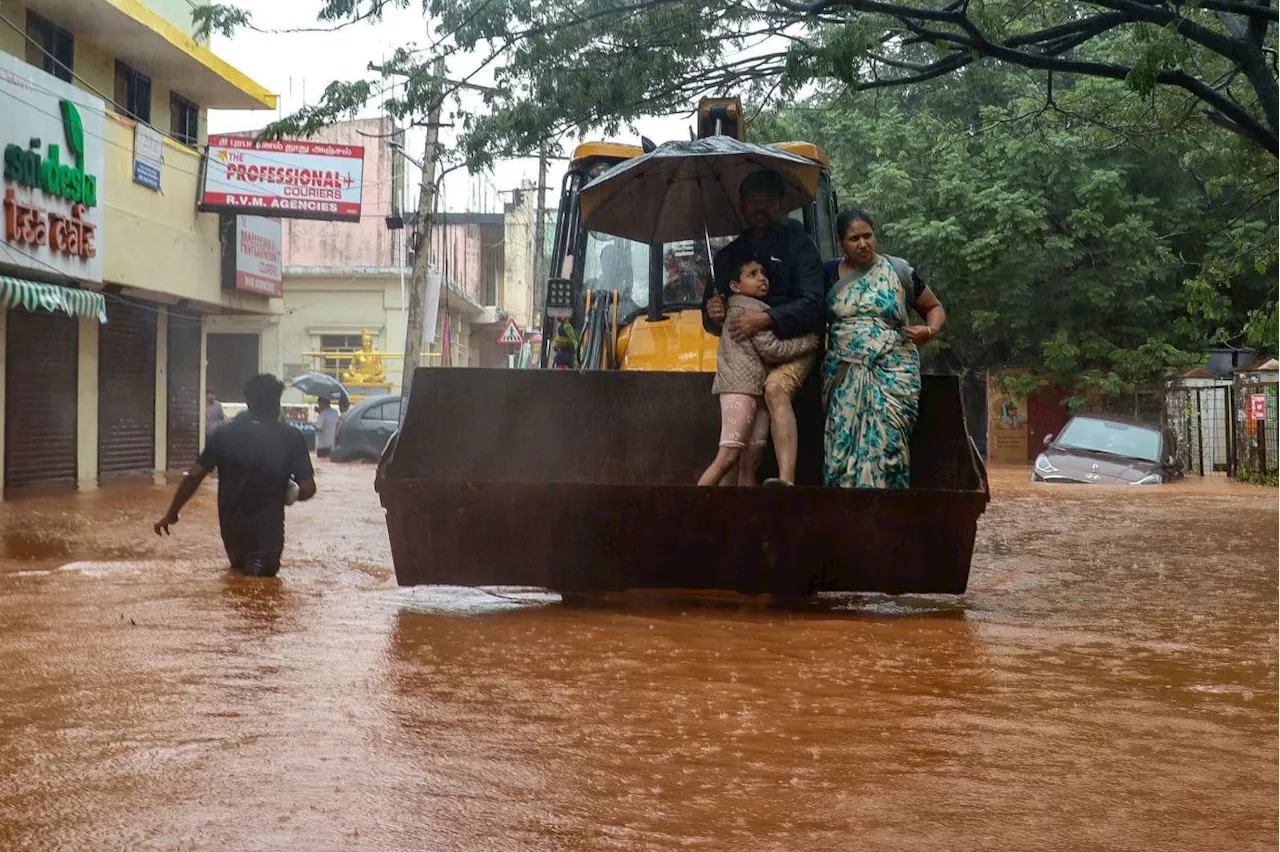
column 689, row 190
column 323, row 387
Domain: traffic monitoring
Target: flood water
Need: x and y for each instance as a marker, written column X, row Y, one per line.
column 1108, row 682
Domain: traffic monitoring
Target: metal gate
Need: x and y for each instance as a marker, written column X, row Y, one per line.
column 127, row 390
column 41, row 358
column 185, row 406
column 1199, row 412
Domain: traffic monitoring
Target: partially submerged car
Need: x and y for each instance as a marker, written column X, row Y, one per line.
column 1102, row 449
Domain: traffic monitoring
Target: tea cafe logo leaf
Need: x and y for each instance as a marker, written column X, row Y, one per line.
column 74, row 129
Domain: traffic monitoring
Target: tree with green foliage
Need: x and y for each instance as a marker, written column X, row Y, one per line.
column 582, row 64
column 1094, row 260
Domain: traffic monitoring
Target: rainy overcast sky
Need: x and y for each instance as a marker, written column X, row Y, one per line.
column 298, row 66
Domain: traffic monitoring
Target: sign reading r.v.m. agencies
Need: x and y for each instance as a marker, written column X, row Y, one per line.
column 290, row 179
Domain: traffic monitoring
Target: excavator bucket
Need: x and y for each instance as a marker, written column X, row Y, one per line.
column 581, row 483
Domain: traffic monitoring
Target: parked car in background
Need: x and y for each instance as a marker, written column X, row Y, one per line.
column 1102, row 449
column 366, row 428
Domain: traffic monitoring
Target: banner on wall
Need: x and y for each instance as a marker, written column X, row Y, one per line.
column 1006, row 419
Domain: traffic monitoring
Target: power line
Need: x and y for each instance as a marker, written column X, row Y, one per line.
column 196, row 174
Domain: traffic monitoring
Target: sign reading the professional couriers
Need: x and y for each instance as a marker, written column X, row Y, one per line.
column 52, row 136
column 286, row 178
column 259, row 256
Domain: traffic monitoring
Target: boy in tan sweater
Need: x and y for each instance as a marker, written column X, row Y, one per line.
column 740, row 371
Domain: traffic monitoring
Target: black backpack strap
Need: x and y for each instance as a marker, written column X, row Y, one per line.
column 906, row 274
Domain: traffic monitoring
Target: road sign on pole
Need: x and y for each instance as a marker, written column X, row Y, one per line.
column 511, row 333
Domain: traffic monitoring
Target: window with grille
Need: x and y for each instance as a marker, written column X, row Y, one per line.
column 341, row 342
column 338, row 343
column 50, row 47
column 133, row 92
column 184, row 120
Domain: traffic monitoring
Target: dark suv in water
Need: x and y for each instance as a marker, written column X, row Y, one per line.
column 1105, row 450
column 366, row 428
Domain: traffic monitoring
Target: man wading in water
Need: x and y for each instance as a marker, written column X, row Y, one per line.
column 259, row 458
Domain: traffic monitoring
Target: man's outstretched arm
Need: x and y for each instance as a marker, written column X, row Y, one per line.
column 186, row 490
column 300, row 468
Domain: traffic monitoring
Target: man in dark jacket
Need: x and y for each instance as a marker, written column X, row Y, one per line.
column 259, row 459
column 796, row 300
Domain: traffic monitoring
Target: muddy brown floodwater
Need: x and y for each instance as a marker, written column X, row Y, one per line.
column 1108, row 683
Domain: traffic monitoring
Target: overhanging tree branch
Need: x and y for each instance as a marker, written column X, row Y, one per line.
column 1051, row 49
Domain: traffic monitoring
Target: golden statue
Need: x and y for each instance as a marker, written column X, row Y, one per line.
column 366, row 365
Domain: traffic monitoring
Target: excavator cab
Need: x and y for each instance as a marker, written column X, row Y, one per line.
column 581, row 480
column 659, row 286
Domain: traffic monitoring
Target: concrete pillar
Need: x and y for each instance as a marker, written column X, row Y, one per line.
column 204, row 380
column 162, row 396
column 4, row 346
column 270, row 349
column 87, row 406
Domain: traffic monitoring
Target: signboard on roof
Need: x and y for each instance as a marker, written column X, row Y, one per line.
column 290, row 179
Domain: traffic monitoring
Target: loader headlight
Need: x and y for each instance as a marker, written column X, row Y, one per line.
column 1149, row 479
column 1042, row 465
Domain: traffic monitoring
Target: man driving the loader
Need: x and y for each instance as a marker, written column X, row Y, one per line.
column 796, row 302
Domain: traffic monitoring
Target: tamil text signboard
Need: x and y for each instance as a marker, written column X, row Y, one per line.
column 286, row 178
column 52, row 136
column 1258, row 406
column 258, row 256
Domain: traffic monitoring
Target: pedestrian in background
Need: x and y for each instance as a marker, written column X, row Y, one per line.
column 214, row 416
column 326, row 428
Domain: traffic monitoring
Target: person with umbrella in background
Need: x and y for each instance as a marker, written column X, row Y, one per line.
column 796, row 300
column 326, row 427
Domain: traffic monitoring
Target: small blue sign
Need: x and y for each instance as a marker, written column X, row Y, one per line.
column 146, row 174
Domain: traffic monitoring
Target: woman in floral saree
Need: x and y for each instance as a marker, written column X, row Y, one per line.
column 871, row 372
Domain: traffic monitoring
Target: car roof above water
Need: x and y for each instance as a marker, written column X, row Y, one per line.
column 1117, row 418
column 370, row 401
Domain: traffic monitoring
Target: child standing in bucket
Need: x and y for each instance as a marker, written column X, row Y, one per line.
column 740, row 371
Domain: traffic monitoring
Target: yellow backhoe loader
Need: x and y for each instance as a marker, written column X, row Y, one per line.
column 580, row 480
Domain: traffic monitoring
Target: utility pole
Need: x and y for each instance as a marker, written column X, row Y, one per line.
column 540, row 275
column 421, row 242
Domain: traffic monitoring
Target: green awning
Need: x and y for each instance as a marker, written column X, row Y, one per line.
column 32, row 295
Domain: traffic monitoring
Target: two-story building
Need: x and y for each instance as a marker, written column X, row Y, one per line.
column 109, row 277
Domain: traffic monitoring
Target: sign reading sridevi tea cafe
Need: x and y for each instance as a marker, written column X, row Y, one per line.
column 52, row 138
column 286, row 178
